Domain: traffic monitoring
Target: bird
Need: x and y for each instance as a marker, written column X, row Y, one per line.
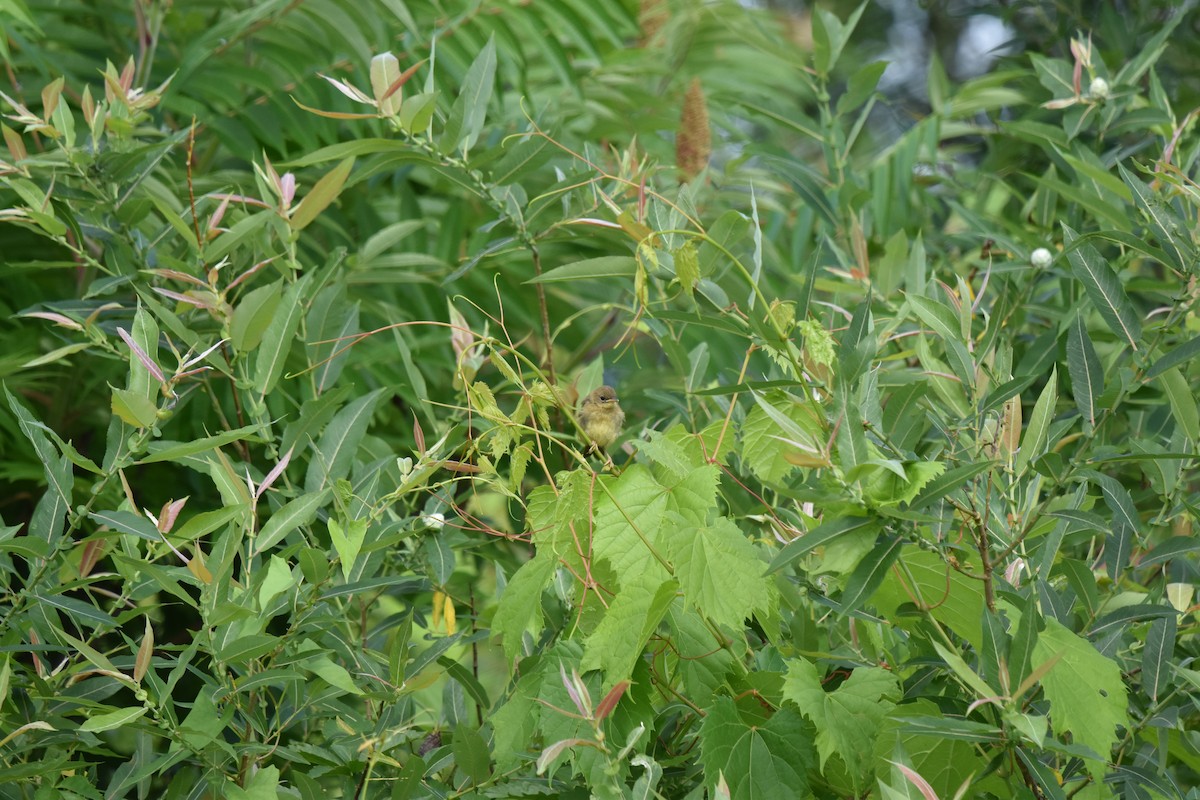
column 601, row 418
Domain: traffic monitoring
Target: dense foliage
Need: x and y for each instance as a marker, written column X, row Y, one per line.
column 296, row 504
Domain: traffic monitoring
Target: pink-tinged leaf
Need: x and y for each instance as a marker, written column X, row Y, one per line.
column 250, row 272
column 57, row 319
column 215, row 220
column 240, row 198
column 50, row 96
column 274, row 474
column 176, row 275
column 183, row 298
column 92, row 551
column 287, row 189
column 197, row 359
column 610, row 700
column 127, row 75
column 599, row 223
column 145, row 652
column 15, row 144
column 88, row 106
column 554, row 751
column 333, row 114
column 572, row 686
column 998, row 701
column 403, row 79
column 1057, row 104
column 272, row 175
column 150, row 366
column 353, row 92
column 385, row 70
column 916, row 780
column 418, row 436
column 321, row 195
column 170, row 513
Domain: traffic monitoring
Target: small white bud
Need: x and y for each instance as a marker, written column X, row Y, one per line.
column 1098, row 89
column 435, row 521
column 1041, row 258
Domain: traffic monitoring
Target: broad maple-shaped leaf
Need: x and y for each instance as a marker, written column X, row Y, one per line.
column 1087, row 697
column 521, row 603
column 631, row 617
column 763, row 439
column 628, row 524
column 758, row 762
column 719, row 570
column 848, row 718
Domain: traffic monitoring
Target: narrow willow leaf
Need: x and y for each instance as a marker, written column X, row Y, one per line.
column 1183, row 402
column 1175, row 357
column 1083, row 365
column 111, row 720
column 869, row 573
column 947, row 482
column 1105, row 290
column 1161, row 221
column 1033, row 444
column 817, row 537
column 940, row 318
column 603, row 267
column 294, row 514
column 324, row 192
column 279, row 337
column 470, row 108
column 1156, row 657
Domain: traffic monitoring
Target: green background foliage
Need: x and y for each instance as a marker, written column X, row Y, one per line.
column 300, row 297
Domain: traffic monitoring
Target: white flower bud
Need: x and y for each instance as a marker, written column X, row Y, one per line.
column 1098, row 89
column 1041, row 258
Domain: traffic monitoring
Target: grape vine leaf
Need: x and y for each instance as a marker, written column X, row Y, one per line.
column 1085, row 691
column 848, row 718
column 758, row 762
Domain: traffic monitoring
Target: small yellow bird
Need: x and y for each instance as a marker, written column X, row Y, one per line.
column 601, row 418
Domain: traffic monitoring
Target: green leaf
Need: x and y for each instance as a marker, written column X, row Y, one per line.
column 1105, row 290
column 347, row 542
column 333, row 674
column 590, row 268
column 766, row 761
column 869, row 573
column 128, row 522
column 133, row 408
column 470, row 108
column 1085, row 691
column 112, row 720
column 779, row 432
column 294, row 513
column 719, row 571
column 1183, row 403
column 1175, row 357
column 471, row 754
column 1083, row 365
column 338, row 444
column 253, row 315
column 175, row 451
column 279, row 337
column 848, row 718
column 521, row 603
column 819, row 536
column 631, row 618
column 1157, row 655
column 628, row 524
column 1033, row 443
column 324, row 192
column 1162, row 221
